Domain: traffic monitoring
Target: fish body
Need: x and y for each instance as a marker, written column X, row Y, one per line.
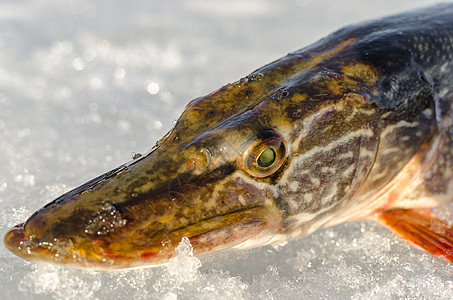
column 358, row 124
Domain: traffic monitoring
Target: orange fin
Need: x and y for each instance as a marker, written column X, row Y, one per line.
column 422, row 229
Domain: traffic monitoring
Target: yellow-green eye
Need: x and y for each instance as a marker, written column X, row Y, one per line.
column 265, row 157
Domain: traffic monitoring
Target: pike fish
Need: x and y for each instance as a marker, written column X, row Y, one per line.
column 357, row 125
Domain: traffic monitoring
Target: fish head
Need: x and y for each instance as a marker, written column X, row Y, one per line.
column 207, row 180
column 263, row 160
column 137, row 214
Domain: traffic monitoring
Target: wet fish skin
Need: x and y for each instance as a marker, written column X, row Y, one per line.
column 360, row 123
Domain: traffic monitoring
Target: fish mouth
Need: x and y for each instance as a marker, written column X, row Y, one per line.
column 206, row 237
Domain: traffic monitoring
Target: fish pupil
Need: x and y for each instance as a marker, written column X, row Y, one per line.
column 266, row 158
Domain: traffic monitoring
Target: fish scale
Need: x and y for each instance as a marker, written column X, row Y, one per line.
column 357, row 125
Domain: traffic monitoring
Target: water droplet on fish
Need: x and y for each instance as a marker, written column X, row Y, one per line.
column 136, row 155
column 242, row 81
column 255, row 77
column 285, row 93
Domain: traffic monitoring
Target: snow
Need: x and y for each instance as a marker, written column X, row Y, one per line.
column 84, row 85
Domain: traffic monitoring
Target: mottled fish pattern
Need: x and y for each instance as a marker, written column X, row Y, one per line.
column 357, row 125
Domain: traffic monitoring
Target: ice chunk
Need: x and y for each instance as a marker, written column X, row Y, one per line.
column 184, row 267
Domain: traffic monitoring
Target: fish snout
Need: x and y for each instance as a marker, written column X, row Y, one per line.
column 25, row 247
column 15, row 238
column 46, row 238
column 42, row 248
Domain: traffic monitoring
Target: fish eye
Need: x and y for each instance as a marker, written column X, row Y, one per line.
column 265, row 157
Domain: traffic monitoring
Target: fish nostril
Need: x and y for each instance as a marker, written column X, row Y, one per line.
column 190, row 165
column 200, row 162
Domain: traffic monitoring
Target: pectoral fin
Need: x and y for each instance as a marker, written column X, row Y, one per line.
column 421, row 228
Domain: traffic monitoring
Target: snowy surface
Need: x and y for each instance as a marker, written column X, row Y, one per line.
column 85, row 84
